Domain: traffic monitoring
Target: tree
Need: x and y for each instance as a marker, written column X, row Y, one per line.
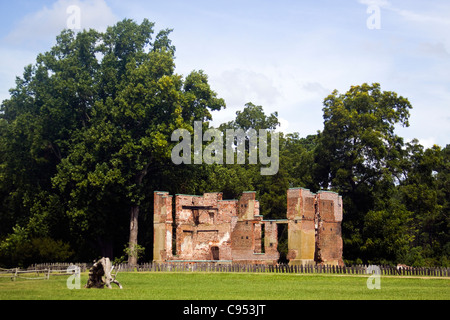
column 141, row 101
column 89, row 123
column 388, row 235
column 297, row 158
column 423, row 191
column 358, row 143
column 358, row 151
column 252, row 117
column 48, row 103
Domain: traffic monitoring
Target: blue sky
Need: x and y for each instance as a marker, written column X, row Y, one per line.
column 284, row 55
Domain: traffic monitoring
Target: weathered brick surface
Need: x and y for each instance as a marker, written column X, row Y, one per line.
column 330, row 239
column 210, row 228
column 301, row 227
column 314, row 227
column 162, row 224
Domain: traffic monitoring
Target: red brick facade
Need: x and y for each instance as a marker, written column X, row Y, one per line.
column 208, row 228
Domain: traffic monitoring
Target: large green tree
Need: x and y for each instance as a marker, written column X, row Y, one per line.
column 93, row 118
column 141, row 102
column 358, row 153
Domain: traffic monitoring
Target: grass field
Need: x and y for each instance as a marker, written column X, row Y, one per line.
column 230, row 286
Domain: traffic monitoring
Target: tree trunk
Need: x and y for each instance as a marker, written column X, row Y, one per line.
column 134, row 214
column 100, row 275
column 132, row 256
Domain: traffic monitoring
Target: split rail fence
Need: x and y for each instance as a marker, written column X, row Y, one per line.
column 44, row 271
column 41, row 271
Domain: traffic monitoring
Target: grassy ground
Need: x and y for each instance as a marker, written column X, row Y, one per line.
column 230, row 286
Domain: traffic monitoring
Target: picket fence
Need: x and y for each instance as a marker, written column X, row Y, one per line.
column 281, row 268
column 44, row 270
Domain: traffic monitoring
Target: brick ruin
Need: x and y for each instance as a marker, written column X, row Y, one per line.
column 207, row 228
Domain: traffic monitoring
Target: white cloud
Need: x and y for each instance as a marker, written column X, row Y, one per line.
column 425, row 142
column 17, row 60
column 420, row 17
column 239, row 86
column 284, row 125
column 39, row 28
column 288, row 65
column 379, row 3
column 36, row 32
column 420, row 60
column 437, row 50
column 317, row 88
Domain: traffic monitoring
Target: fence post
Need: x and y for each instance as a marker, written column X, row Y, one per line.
column 13, row 278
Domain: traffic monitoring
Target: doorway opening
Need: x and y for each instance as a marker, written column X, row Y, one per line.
column 215, row 253
column 283, row 242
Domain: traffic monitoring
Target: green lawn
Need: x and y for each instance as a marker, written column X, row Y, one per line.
column 229, row 286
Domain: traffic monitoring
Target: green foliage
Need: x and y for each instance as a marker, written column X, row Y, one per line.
column 49, row 250
column 15, row 249
column 137, row 251
column 92, row 118
column 388, row 235
column 358, row 143
column 18, row 249
column 85, row 139
column 392, row 211
column 253, row 117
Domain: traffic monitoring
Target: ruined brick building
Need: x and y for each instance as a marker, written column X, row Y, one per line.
column 208, row 228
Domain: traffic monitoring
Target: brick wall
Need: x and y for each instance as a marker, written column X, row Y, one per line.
column 208, row 228
column 314, row 227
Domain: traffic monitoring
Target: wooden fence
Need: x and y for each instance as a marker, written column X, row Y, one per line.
column 42, row 270
column 282, row 268
column 60, row 266
column 33, row 274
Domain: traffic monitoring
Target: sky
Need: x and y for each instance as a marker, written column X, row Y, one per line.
column 285, row 55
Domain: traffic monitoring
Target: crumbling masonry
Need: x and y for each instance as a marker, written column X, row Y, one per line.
column 208, row 228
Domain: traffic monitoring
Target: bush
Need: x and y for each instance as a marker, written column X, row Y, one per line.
column 17, row 250
column 49, row 250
